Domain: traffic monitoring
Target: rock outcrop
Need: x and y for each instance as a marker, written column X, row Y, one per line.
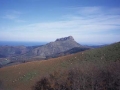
column 60, row 45
column 10, row 55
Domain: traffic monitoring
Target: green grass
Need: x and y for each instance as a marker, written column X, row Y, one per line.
column 24, row 76
column 28, row 76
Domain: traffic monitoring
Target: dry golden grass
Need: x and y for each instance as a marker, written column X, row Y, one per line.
column 24, row 76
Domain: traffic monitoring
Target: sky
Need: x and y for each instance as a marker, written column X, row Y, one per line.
column 88, row 21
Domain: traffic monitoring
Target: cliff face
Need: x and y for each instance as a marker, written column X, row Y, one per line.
column 60, row 45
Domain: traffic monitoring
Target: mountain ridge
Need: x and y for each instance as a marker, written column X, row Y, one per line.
column 60, row 45
column 90, row 62
column 14, row 54
column 65, row 38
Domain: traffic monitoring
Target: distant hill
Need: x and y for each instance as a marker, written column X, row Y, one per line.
column 98, row 68
column 6, row 51
column 10, row 55
column 60, row 45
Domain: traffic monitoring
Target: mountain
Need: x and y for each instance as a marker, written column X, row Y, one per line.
column 60, row 45
column 10, row 55
column 71, row 51
column 97, row 69
column 6, row 51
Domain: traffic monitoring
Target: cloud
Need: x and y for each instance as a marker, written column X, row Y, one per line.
column 89, row 10
column 86, row 24
column 13, row 15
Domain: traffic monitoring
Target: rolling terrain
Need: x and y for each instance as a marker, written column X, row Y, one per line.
column 11, row 55
column 24, row 76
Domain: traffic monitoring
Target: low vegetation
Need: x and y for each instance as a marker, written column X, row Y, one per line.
column 100, row 70
column 86, row 78
column 96, row 69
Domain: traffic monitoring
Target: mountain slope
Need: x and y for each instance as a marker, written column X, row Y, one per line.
column 24, row 76
column 7, row 51
column 71, row 51
column 60, row 45
column 10, row 55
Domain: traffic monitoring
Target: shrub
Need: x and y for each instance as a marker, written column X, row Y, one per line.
column 82, row 79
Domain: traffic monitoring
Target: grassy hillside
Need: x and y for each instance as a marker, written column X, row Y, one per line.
column 25, row 76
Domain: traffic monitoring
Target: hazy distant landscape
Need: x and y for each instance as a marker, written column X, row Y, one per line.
column 10, row 55
column 59, row 44
column 62, row 64
column 76, row 67
column 18, row 43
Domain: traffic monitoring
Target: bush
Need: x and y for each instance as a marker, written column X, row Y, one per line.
column 82, row 79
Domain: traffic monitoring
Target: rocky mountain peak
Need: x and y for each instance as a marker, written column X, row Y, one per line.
column 65, row 38
column 60, row 45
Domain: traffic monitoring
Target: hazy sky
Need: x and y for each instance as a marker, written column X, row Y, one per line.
column 88, row 21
